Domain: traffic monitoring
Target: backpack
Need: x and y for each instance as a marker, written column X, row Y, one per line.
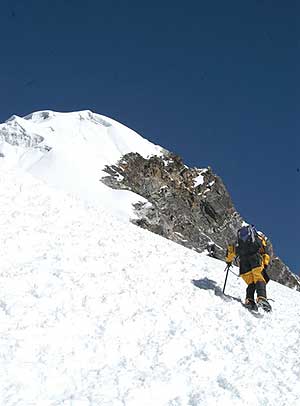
column 248, row 241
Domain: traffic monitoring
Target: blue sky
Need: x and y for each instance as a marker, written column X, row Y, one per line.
column 216, row 82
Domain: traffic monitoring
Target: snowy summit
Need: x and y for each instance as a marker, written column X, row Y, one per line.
column 95, row 311
column 70, row 150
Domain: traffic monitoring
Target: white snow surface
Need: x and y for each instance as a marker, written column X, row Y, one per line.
column 81, row 143
column 97, row 312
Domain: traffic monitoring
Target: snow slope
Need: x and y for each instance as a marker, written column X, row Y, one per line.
column 70, row 150
column 97, row 312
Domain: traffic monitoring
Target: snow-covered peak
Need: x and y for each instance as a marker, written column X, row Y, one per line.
column 70, row 150
column 85, row 126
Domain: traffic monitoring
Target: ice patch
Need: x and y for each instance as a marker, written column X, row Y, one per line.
column 199, row 180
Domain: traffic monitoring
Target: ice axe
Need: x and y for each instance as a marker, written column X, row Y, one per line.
column 226, row 270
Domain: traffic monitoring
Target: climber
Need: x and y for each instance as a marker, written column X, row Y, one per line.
column 250, row 248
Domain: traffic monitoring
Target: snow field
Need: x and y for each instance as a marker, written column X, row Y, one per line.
column 95, row 311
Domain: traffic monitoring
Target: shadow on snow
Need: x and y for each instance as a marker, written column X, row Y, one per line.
column 209, row 284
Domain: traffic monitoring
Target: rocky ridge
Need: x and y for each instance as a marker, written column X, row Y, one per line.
column 189, row 206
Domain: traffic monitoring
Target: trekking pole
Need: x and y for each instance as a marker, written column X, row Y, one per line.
column 226, row 269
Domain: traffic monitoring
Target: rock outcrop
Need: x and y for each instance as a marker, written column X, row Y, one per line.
column 189, row 206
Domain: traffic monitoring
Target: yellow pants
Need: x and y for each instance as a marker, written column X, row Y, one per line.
column 253, row 276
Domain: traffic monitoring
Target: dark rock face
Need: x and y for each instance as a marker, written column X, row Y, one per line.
column 280, row 273
column 189, row 206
